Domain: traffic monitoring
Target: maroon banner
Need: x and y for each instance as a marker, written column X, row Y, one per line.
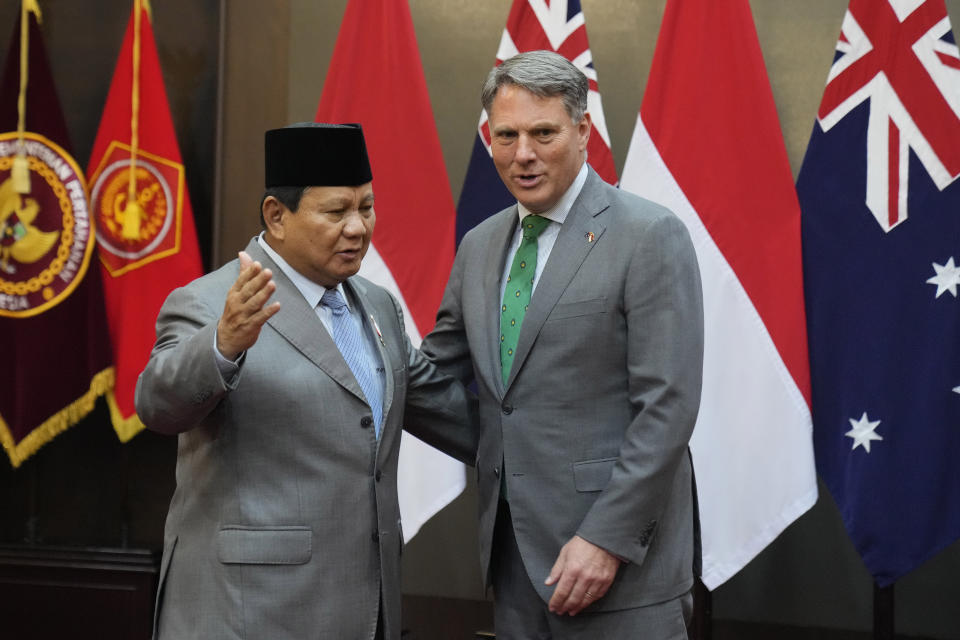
column 53, row 331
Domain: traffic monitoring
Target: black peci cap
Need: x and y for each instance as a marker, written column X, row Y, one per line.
column 315, row 154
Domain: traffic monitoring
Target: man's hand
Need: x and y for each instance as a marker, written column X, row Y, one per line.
column 583, row 573
column 244, row 312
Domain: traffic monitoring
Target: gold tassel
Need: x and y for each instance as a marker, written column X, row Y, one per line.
column 133, row 210
column 132, row 215
column 20, row 173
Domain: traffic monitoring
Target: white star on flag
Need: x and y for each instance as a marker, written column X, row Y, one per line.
column 947, row 278
column 956, row 389
column 863, row 432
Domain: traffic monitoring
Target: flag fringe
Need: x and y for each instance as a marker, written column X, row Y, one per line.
column 100, row 384
column 126, row 428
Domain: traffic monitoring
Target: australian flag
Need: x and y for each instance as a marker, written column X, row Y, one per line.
column 559, row 26
column 880, row 203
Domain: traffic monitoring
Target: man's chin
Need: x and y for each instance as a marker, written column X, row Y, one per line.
column 535, row 199
column 534, row 206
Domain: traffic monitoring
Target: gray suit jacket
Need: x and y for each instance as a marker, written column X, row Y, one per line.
column 285, row 522
column 593, row 424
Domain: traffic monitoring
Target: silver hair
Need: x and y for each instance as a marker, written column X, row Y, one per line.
column 542, row 73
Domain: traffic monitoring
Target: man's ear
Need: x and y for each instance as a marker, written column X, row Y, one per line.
column 583, row 130
column 273, row 212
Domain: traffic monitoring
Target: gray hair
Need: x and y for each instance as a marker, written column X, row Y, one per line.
column 542, row 73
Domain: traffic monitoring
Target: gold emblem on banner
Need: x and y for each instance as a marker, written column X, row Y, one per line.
column 45, row 235
column 132, row 223
column 134, row 233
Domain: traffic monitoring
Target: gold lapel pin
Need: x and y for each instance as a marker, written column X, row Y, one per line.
column 589, row 236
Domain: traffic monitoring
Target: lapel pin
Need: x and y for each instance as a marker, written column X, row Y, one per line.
column 377, row 329
column 589, row 236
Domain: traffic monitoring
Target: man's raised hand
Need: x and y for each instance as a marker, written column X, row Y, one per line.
column 246, row 308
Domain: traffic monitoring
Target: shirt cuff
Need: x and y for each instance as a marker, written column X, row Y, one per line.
column 229, row 369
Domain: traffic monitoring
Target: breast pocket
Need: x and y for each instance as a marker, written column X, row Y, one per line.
column 566, row 310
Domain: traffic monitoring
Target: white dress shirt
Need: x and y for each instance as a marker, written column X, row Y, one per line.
column 557, row 214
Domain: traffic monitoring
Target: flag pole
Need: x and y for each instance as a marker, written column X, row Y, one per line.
column 883, row 612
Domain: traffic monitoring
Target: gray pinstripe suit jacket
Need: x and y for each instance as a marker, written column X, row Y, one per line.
column 285, row 522
column 593, row 424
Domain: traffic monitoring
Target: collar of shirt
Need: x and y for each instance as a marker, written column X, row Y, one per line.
column 309, row 289
column 559, row 212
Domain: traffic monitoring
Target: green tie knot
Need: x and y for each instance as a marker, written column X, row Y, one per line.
column 533, row 225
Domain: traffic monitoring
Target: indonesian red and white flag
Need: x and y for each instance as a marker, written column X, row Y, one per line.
column 412, row 250
column 138, row 197
column 708, row 145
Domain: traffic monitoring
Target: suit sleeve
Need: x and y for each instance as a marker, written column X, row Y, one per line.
column 664, row 323
column 439, row 409
column 446, row 346
column 181, row 383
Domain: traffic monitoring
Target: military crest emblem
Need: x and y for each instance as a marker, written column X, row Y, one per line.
column 45, row 234
column 137, row 203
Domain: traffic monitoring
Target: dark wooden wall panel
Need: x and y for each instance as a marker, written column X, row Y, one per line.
column 94, row 594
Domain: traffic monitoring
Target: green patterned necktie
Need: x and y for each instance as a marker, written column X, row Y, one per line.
column 516, row 295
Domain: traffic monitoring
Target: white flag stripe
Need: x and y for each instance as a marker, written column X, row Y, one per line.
column 595, row 108
column 374, row 269
column 751, row 446
column 427, row 480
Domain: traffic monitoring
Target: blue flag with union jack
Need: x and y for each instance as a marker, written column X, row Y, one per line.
column 559, row 26
column 880, row 205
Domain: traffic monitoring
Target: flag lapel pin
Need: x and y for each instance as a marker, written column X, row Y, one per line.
column 376, row 328
column 589, row 236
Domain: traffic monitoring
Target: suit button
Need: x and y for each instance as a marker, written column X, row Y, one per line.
column 496, row 471
column 366, row 421
column 507, row 409
column 376, row 476
column 375, row 536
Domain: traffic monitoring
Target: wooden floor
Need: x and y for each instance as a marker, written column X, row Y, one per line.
column 429, row 618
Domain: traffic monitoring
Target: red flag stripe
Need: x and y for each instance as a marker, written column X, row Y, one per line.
column 414, row 232
column 951, row 61
column 754, row 245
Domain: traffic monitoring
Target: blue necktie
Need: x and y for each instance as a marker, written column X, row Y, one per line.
column 349, row 340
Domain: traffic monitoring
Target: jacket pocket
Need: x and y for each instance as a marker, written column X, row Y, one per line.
column 264, row 545
column 576, row 309
column 593, row 475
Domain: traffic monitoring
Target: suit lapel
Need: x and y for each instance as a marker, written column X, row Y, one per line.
column 497, row 248
column 578, row 236
column 301, row 327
